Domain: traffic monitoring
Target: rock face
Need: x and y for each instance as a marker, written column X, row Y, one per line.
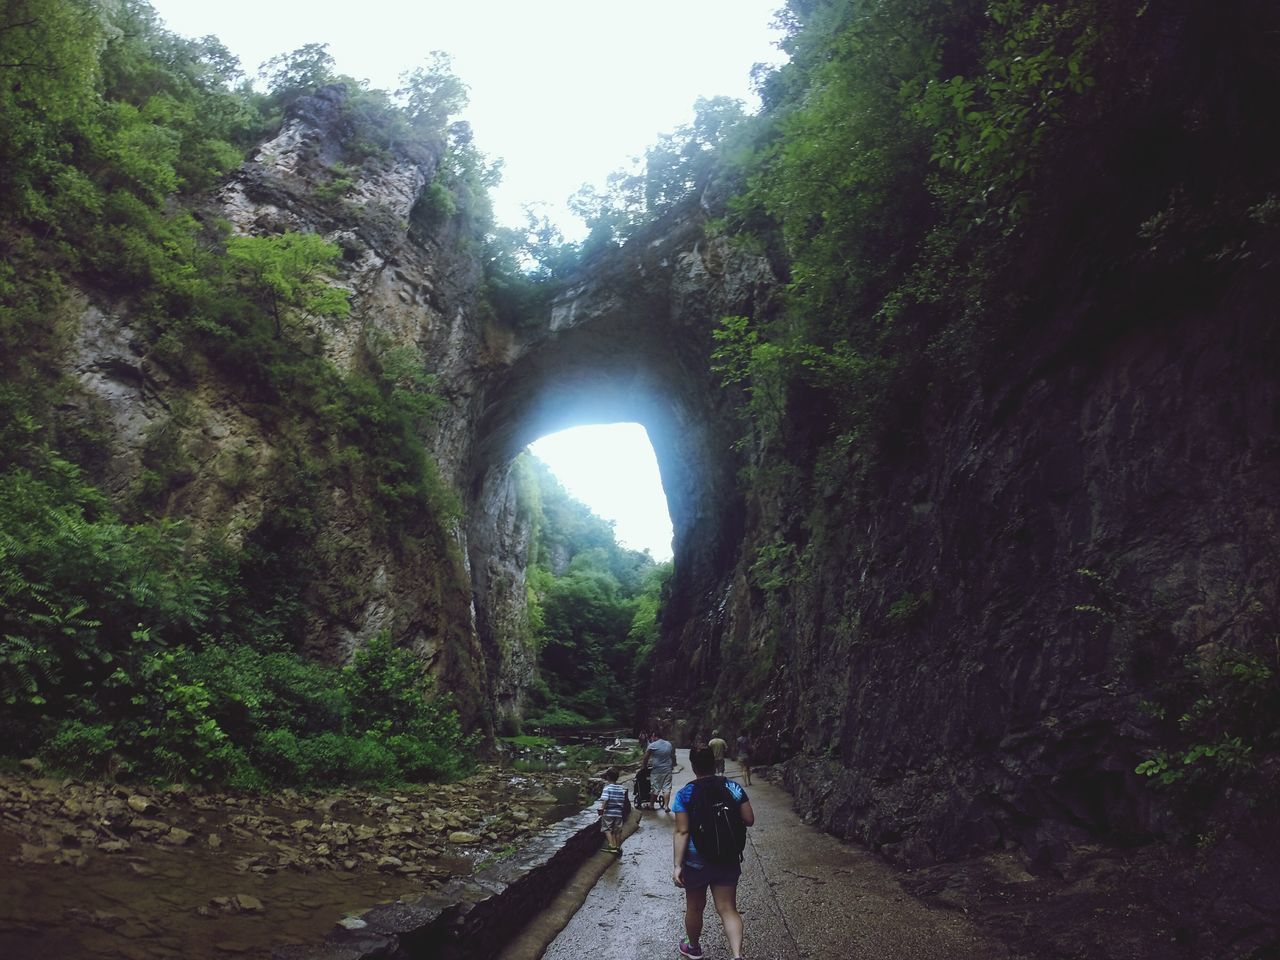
column 961, row 669
column 629, row 340
column 409, row 288
column 963, row 663
column 977, row 632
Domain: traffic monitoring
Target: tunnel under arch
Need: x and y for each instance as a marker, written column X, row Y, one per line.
column 568, row 383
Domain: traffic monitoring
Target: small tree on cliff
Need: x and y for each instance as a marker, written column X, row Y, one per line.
column 432, row 94
column 287, row 277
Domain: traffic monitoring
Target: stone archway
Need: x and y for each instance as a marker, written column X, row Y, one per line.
column 631, row 341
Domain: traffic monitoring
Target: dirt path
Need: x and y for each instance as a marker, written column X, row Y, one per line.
column 803, row 895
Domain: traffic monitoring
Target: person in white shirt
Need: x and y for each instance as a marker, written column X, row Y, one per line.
column 660, row 757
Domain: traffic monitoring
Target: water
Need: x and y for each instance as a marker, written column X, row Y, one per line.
column 146, row 906
column 154, row 901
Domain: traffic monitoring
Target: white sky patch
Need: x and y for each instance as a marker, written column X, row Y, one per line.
column 565, row 91
column 612, row 469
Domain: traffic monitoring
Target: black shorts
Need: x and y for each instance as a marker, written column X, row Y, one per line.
column 711, row 874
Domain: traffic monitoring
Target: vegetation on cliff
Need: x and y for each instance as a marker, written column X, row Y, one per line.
column 931, row 176
column 128, row 640
column 933, row 179
column 132, row 642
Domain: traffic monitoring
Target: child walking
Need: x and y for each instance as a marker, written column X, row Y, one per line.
column 613, row 811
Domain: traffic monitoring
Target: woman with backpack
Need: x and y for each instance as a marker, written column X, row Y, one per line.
column 712, row 816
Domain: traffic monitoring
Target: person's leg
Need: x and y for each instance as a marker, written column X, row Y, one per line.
column 695, row 902
column 726, row 899
column 662, row 787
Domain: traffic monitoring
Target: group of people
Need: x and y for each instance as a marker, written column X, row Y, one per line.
column 710, row 808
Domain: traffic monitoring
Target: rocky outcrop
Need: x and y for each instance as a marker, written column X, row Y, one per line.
column 628, row 340
column 189, row 437
column 631, row 341
column 956, row 657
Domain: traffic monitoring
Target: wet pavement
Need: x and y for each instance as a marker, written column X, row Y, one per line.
column 803, row 894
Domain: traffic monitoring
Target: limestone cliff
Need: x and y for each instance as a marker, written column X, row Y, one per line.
column 629, row 339
column 413, row 284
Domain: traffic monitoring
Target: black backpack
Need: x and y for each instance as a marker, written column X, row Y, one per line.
column 715, row 822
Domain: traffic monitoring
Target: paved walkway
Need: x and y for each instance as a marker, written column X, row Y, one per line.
column 803, row 894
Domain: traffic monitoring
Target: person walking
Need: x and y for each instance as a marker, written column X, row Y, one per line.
column 718, row 811
column 718, row 748
column 744, row 757
column 614, row 807
column 660, row 758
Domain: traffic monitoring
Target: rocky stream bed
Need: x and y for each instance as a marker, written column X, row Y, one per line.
column 97, row 870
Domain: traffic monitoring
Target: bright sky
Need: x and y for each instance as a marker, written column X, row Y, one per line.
column 612, row 469
column 564, row 91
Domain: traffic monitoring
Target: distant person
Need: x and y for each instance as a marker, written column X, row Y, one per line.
column 712, row 816
column 660, row 758
column 744, row 757
column 718, row 748
column 644, row 739
column 613, row 811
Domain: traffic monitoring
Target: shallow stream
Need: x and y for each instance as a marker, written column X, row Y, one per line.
column 208, row 877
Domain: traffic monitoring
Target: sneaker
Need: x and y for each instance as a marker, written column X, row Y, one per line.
column 686, row 950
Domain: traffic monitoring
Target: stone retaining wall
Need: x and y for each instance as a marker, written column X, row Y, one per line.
column 467, row 919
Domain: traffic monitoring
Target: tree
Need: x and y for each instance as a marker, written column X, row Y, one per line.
column 48, row 68
column 287, row 276
column 300, row 71
column 677, row 165
column 432, row 94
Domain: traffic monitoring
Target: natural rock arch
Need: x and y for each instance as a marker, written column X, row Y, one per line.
column 631, row 341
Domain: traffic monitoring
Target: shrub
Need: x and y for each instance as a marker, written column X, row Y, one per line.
column 79, row 748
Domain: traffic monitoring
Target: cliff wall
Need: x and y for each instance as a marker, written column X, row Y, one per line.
column 628, row 339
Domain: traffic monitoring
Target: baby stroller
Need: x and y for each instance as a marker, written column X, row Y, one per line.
column 641, row 790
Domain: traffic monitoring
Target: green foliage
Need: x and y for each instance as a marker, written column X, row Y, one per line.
column 1219, row 715
column 337, row 187
column 895, row 166
column 675, row 169
column 910, row 608
column 1213, row 713
column 287, row 277
column 559, row 717
column 680, row 163
column 431, row 95
column 594, row 622
column 990, row 125
column 774, row 567
column 125, row 642
column 300, row 71
column 80, row 748
column 525, row 740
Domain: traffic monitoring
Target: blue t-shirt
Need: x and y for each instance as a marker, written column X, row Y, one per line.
column 680, row 804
